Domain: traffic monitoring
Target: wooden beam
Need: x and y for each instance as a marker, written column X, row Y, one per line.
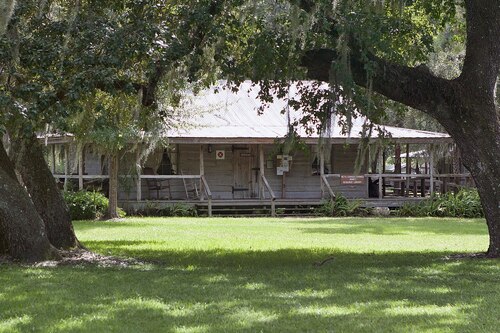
column 138, row 183
column 202, row 162
column 379, row 169
column 283, row 186
column 202, row 169
column 80, row 168
column 53, row 158
column 431, row 169
column 384, row 157
column 397, row 158
column 261, row 172
column 66, row 166
column 310, row 140
column 408, row 169
column 322, row 169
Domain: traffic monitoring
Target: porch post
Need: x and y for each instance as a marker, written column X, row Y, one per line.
column 261, row 171
column 431, row 169
column 379, row 169
column 202, row 172
column 139, row 172
column 408, row 169
column 53, row 157
column 322, row 170
column 80, row 168
column 66, row 166
column 397, row 158
column 202, row 164
column 383, row 171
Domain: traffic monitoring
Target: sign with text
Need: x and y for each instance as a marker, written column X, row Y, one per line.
column 352, row 180
column 283, row 164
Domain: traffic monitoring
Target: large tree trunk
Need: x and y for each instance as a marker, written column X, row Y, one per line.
column 480, row 147
column 113, row 187
column 27, row 156
column 487, row 182
column 464, row 106
column 22, row 232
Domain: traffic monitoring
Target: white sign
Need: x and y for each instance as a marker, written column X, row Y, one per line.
column 283, row 163
column 220, row 154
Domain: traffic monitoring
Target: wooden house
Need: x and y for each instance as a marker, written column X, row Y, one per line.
column 230, row 156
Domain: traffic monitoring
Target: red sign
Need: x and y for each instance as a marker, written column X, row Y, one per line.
column 220, row 155
column 352, row 180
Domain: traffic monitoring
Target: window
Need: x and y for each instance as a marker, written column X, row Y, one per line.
column 166, row 166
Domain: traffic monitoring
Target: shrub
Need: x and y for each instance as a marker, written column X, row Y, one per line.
column 87, row 205
column 340, row 206
column 150, row 209
column 183, row 210
column 466, row 203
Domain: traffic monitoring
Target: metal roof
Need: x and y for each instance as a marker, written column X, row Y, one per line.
column 227, row 116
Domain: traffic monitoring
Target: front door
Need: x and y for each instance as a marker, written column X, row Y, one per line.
column 242, row 166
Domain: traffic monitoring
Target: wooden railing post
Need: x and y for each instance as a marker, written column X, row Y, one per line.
column 66, row 166
column 379, row 167
column 261, row 171
column 322, row 170
column 202, row 164
column 80, row 169
column 53, row 158
column 431, row 170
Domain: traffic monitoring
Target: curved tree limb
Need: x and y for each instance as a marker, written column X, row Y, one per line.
column 412, row 86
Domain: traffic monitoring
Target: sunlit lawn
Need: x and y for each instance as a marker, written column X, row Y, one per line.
column 227, row 275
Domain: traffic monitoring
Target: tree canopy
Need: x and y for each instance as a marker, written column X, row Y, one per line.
column 59, row 59
column 371, row 51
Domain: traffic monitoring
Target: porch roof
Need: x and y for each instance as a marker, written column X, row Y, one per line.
column 232, row 117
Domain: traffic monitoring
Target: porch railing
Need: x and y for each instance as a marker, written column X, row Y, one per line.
column 201, row 178
column 402, row 184
column 271, row 194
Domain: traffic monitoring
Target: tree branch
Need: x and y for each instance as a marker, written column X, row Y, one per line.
column 415, row 87
column 149, row 90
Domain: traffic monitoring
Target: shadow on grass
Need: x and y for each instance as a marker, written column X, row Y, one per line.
column 271, row 291
column 401, row 227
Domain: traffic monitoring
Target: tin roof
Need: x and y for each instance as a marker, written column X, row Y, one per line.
column 233, row 117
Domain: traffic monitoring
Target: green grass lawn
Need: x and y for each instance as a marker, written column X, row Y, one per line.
column 252, row 275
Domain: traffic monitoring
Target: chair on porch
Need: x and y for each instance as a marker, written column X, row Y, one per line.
column 156, row 185
column 190, row 188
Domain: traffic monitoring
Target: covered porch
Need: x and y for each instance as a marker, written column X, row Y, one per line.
column 247, row 176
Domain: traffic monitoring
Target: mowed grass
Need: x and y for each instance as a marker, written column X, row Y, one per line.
column 258, row 275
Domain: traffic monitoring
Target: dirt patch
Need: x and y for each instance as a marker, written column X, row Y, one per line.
column 80, row 257
column 85, row 257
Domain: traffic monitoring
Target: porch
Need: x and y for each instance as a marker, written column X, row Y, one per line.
column 394, row 190
column 238, row 177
